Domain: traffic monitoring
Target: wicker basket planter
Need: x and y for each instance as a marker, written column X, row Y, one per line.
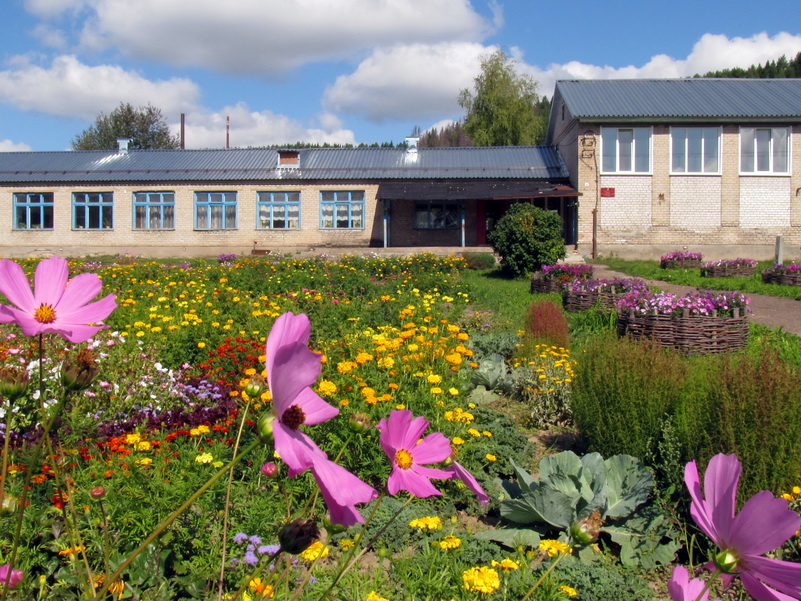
column 553, row 278
column 543, row 285
column 786, row 279
column 680, row 263
column 728, row 271
column 691, row 335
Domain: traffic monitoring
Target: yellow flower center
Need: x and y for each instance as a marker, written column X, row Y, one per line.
column 293, row 417
column 403, row 459
column 45, row 314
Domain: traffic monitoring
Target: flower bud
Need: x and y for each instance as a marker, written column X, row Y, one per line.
column 269, row 469
column 255, row 386
column 13, row 382
column 359, row 422
column 264, row 425
column 8, row 504
column 586, row 531
column 78, row 371
column 98, row 492
column 297, row 536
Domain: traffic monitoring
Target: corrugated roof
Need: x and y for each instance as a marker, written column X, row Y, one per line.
column 683, row 99
column 261, row 164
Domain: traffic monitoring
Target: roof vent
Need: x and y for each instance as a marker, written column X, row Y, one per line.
column 289, row 158
column 122, row 145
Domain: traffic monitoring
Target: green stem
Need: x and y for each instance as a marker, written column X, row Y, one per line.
column 172, row 517
column 4, row 474
column 708, row 583
column 554, row 563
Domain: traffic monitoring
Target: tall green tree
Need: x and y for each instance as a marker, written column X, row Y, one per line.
column 778, row 69
column 503, row 109
column 143, row 126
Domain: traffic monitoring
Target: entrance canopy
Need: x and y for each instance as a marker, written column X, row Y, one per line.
column 472, row 190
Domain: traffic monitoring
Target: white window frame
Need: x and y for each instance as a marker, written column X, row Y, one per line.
column 635, row 147
column 749, row 137
column 686, row 169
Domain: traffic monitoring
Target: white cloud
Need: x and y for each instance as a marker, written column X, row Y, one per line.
column 408, row 82
column 70, row 88
column 259, row 128
column 49, row 9
column 9, row 146
column 711, row 53
column 272, row 36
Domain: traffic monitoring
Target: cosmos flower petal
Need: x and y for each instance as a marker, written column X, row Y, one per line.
column 94, row 312
column 682, row 588
column 764, row 523
column 760, row 592
column 784, row 576
column 459, row 472
column 50, row 280
column 297, row 450
column 83, row 288
column 341, row 491
column 698, row 507
column 14, row 285
column 314, row 407
column 411, row 481
column 287, row 329
column 720, row 489
column 293, row 368
column 434, row 448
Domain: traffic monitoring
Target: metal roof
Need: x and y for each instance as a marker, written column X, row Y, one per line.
column 470, row 190
column 696, row 99
column 261, row 164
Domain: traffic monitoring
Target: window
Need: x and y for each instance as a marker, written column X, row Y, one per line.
column 626, row 150
column 278, row 211
column 435, row 215
column 215, row 210
column 33, row 211
column 154, row 210
column 342, row 209
column 764, row 150
column 92, row 210
column 695, row 149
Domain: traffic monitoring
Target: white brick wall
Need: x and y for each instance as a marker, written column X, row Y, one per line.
column 695, row 203
column 764, row 202
column 630, row 209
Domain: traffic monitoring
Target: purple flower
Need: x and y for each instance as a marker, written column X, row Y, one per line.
column 458, row 472
column 240, row 537
column 250, row 558
column 400, row 439
column 764, row 523
column 681, row 588
column 10, row 577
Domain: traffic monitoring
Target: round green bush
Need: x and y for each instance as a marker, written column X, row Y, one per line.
column 526, row 238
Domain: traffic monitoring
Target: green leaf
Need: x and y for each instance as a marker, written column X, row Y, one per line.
column 645, row 540
column 481, row 396
column 565, row 473
column 511, row 537
column 628, row 485
column 543, row 505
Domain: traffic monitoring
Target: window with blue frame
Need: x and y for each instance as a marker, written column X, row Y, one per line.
column 154, row 210
column 278, row 211
column 215, row 210
column 33, row 211
column 342, row 209
column 92, row 210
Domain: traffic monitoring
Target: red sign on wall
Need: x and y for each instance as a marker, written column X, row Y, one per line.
column 607, row 192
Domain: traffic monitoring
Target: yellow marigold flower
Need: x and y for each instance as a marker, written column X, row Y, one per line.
column 367, row 391
column 450, row 542
column 261, row 588
column 506, row 564
column 797, row 490
column 554, row 548
column 568, row 590
column 490, row 457
column 386, row 362
column 363, row 357
column 473, row 432
column 434, row 379
column 72, row 550
column 373, row 596
column 203, row 429
column 487, row 433
column 786, row 496
column 316, row 550
column 482, row 579
column 327, row 387
column 143, row 446
column 201, row 345
column 454, row 359
column 436, row 390
column 457, row 441
column 427, row 523
column 344, row 367
column 204, row 458
column 346, row 544
column 218, row 464
column 132, row 438
column 144, row 461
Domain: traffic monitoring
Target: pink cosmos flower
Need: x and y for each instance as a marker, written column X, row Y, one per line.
column 13, row 579
column 400, row 439
column 291, row 370
column 763, row 524
column 681, row 588
column 56, row 305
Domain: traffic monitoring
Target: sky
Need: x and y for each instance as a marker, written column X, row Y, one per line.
column 341, row 71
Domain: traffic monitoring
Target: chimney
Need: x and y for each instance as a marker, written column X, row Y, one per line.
column 122, row 145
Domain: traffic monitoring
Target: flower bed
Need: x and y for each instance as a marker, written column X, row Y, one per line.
column 786, row 274
column 552, row 278
column 729, row 268
column 681, row 259
column 699, row 323
column 585, row 294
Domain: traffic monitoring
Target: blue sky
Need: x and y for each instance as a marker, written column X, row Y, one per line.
column 340, row 71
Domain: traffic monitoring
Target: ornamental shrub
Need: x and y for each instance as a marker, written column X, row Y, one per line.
column 547, row 323
column 526, row 238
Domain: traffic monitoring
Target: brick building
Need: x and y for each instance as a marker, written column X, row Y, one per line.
column 709, row 164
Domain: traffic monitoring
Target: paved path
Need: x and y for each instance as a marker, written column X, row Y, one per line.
column 771, row 311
